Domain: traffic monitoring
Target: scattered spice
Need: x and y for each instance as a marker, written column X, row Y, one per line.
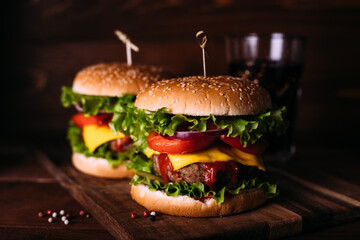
column 64, row 216
column 146, row 213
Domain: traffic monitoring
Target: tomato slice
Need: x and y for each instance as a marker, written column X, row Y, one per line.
column 80, row 120
column 256, row 148
column 175, row 146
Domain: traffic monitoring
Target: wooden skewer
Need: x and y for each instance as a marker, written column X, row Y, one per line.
column 202, row 38
column 129, row 45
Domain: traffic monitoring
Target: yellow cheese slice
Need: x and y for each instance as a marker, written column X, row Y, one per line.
column 245, row 158
column 212, row 155
column 95, row 135
column 207, row 156
column 149, row 152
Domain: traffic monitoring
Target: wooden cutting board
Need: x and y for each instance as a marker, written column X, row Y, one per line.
column 302, row 206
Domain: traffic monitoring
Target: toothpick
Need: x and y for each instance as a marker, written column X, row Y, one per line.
column 129, row 45
column 202, row 42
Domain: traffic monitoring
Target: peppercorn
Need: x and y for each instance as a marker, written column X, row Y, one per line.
column 146, row 213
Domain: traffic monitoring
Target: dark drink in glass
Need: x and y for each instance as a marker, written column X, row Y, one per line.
column 276, row 63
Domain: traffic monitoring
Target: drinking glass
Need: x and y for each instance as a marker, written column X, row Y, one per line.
column 275, row 61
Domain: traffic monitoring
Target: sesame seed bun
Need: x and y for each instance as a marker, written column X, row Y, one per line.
column 116, row 79
column 189, row 207
column 100, row 167
column 201, row 96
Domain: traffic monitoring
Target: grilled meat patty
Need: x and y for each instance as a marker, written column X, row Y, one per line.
column 196, row 172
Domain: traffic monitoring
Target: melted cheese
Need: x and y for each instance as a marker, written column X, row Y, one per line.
column 149, row 152
column 212, row 155
column 95, row 135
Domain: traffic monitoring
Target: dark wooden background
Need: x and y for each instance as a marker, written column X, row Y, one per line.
column 44, row 43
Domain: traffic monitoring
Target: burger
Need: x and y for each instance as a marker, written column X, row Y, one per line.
column 98, row 92
column 206, row 136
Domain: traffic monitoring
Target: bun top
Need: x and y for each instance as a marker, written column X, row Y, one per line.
column 116, row 79
column 201, row 96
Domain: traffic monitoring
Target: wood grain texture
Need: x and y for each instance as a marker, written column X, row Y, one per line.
column 36, row 233
column 349, row 231
column 17, row 165
column 165, row 18
column 21, row 201
column 27, row 188
column 301, row 207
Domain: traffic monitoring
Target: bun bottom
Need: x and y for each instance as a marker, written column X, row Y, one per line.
column 100, row 167
column 189, row 207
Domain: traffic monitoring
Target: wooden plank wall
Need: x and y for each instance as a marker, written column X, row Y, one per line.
column 47, row 42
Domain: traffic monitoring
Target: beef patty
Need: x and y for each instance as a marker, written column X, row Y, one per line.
column 196, row 172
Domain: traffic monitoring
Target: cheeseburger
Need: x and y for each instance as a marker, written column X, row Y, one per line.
column 98, row 91
column 206, row 136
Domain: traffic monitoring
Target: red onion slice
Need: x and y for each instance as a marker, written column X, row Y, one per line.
column 78, row 107
column 189, row 135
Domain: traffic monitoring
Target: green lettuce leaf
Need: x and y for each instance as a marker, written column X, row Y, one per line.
column 132, row 122
column 137, row 160
column 198, row 190
column 92, row 105
column 253, row 127
column 248, row 128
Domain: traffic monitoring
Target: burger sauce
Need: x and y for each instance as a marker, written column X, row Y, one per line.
column 212, row 169
column 164, row 165
column 119, row 143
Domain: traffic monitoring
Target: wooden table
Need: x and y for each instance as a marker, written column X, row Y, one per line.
column 27, row 188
